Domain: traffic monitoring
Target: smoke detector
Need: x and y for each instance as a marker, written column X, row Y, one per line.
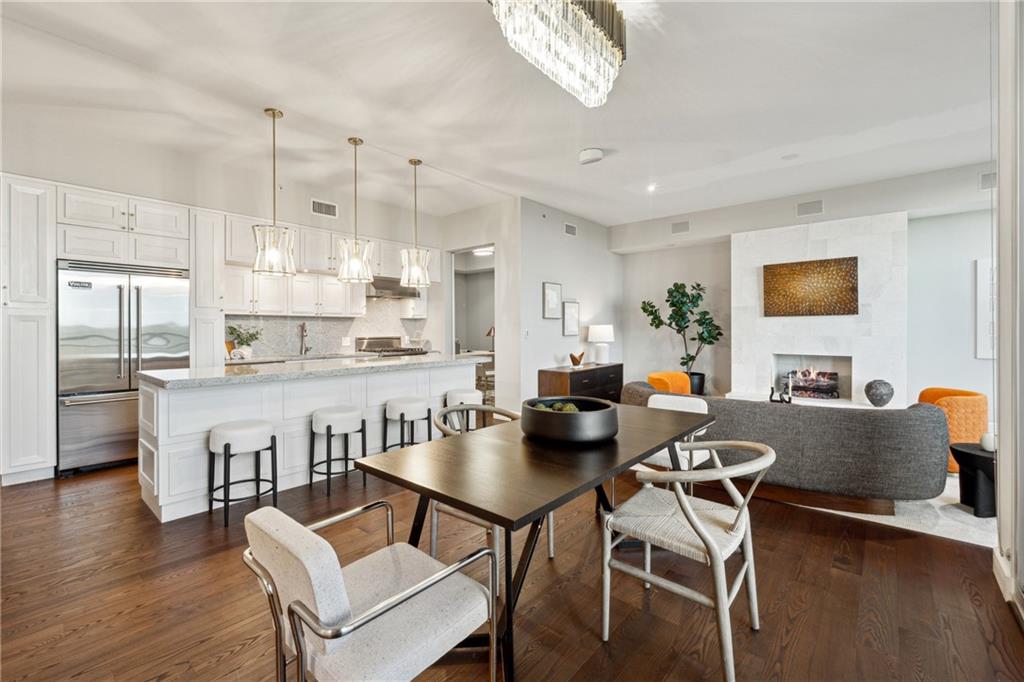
column 590, row 155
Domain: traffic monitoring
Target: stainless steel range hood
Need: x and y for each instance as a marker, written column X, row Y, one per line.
column 390, row 287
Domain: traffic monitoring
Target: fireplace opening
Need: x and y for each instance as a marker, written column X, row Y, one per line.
column 818, row 377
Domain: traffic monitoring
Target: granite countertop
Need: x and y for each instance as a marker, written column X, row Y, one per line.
column 296, row 369
column 268, row 359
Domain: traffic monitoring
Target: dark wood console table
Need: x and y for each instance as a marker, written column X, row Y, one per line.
column 592, row 380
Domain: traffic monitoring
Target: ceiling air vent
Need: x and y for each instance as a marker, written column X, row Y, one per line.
column 987, row 181
column 570, row 229
column 816, row 207
column 324, row 208
column 682, row 227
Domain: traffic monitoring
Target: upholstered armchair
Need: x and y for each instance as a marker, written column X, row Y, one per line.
column 966, row 412
column 670, row 382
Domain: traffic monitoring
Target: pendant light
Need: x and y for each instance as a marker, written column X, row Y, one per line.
column 356, row 254
column 415, row 261
column 274, row 243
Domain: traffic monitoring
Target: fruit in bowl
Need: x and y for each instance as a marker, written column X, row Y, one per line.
column 557, row 407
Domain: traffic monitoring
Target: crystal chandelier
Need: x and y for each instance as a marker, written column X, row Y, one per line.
column 415, row 261
column 355, row 254
column 274, row 243
column 579, row 44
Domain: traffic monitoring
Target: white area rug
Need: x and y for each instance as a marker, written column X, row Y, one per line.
column 943, row 516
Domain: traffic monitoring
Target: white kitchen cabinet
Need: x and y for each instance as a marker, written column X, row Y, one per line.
column 316, row 251
column 238, row 290
column 28, row 423
column 88, row 243
column 28, row 242
column 271, row 294
column 389, row 259
column 239, row 242
column 341, row 299
column 206, row 338
column 92, row 208
column 415, row 308
column 158, row 218
column 145, row 249
column 305, row 294
column 356, row 300
column 207, row 259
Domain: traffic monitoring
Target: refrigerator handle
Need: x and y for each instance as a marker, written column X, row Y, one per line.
column 120, row 331
column 138, row 328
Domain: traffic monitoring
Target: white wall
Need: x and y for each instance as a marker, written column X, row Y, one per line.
column 588, row 272
column 942, row 308
column 474, row 309
column 646, row 277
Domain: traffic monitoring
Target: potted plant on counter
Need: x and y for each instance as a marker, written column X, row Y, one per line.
column 685, row 313
column 242, row 338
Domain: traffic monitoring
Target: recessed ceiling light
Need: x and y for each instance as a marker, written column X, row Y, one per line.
column 790, row 157
column 652, row 188
column 485, row 251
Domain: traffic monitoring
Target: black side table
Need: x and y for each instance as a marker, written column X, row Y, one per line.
column 977, row 478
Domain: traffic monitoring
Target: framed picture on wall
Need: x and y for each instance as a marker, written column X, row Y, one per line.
column 552, row 294
column 570, row 318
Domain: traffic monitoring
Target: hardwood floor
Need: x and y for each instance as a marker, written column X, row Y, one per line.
column 94, row 588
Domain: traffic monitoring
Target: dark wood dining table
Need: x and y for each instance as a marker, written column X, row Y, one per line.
column 501, row 476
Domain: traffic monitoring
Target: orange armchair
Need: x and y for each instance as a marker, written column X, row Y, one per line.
column 966, row 413
column 670, row 382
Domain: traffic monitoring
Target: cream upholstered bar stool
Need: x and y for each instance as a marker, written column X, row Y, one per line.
column 406, row 411
column 465, row 396
column 706, row 532
column 337, row 420
column 387, row 616
column 231, row 439
column 453, row 421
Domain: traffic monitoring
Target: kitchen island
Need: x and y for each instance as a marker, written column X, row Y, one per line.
column 178, row 407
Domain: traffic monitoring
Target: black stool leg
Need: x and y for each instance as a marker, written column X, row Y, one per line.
column 257, row 466
column 227, row 483
column 273, row 469
column 362, row 431
column 345, row 455
column 330, row 437
column 312, row 451
column 384, row 435
column 430, row 426
column 401, row 430
column 211, row 459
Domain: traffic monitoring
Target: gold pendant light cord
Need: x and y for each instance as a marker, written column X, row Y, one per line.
column 415, row 208
column 355, row 192
column 273, row 144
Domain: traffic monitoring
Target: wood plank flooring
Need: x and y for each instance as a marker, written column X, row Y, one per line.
column 94, row 588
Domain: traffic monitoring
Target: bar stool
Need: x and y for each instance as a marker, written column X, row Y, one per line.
column 231, row 439
column 465, row 396
column 405, row 411
column 337, row 420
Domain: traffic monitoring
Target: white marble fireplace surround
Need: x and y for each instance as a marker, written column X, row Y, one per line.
column 875, row 338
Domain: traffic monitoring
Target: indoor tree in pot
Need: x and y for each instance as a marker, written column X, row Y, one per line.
column 684, row 313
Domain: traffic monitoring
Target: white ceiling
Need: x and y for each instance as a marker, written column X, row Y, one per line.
column 711, row 104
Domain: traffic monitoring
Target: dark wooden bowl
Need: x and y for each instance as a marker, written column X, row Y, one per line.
column 597, row 420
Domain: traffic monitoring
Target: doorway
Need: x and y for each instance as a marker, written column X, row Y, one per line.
column 473, row 311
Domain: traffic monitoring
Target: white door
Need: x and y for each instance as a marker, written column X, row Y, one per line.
column 271, row 294
column 334, row 297
column 304, row 294
column 206, row 338
column 239, row 242
column 145, row 249
column 390, row 262
column 28, row 241
column 207, row 271
column 28, row 424
column 158, row 218
column 90, row 243
column 315, row 251
column 238, row 290
column 91, row 208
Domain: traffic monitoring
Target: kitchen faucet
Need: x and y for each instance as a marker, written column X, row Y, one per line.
column 303, row 334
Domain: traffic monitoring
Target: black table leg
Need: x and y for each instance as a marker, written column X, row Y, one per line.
column 603, row 504
column 513, row 588
column 417, row 521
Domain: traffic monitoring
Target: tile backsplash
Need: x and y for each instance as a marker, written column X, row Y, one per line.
column 326, row 334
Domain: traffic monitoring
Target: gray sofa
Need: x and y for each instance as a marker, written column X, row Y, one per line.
column 882, row 454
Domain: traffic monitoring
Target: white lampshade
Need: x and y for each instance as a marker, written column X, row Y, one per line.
column 601, row 333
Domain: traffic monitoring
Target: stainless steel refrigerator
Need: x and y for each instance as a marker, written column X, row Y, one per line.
column 112, row 321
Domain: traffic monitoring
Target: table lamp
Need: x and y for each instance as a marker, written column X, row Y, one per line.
column 601, row 335
column 490, row 333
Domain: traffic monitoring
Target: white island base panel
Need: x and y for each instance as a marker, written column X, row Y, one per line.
column 174, row 426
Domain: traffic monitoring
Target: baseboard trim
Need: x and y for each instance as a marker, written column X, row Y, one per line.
column 811, row 498
column 29, row 476
column 1003, row 570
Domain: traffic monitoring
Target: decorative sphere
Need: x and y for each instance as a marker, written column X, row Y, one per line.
column 879, row 392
